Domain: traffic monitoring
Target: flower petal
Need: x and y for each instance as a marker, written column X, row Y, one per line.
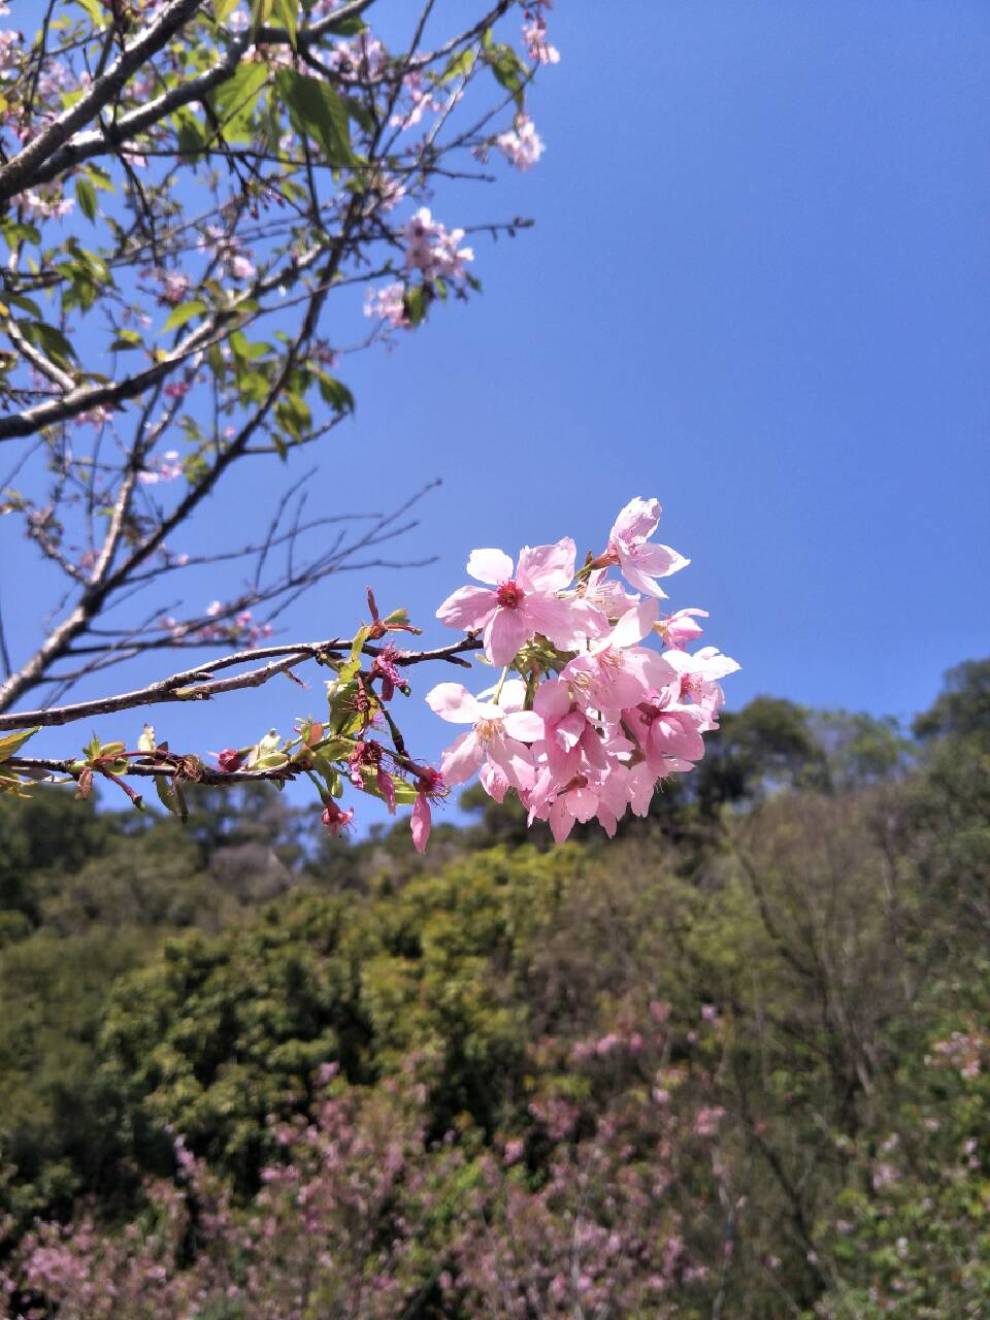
column 525, row 725
column 659, row 560
column 556, row 619
column 468, row 608
column 492, row 566
column 552, row 700
column 547, row 567
column 634, row 575
column 420, row 823
column 453, row 702
column 462, row 758
column 637, row 521
column 505, row 634
column 635, row 624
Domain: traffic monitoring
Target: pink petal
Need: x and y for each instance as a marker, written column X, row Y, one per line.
column 513, row 696
column 639, row 579
column 556, row 619
column 635, row 624
column 420, row 823
column 587, row 619
column 552, row 700
column 547, row 567
column 641, row 789
column 672, row 735
column 462, row 758
column 492, row 566
column 582, row 803
column 493, row 781
column 453, row 702
column 637, row 521
column 652, row 669
column 468, row 608
column 659, row 560
column 570, row 729
column 561, row 820
column 514, row 760
column 505, row 634
column 525, row 725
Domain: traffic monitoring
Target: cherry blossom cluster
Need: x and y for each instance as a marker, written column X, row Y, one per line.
column 220, row 626
column 521, row 145
column 433, row 251
column 595, row 719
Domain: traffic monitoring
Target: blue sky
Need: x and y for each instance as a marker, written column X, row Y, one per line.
column 758, row 289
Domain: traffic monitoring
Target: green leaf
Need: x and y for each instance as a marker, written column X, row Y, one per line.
column 171, row 796
column 287, row 13
column 261, row 12
column 507, row 69
column 317, row 111
column 416, row 303
column 49, row 338
column 360, row 637
column 185, row 312
column 235, row 99
column 98, row 15
column 335, row 392
column 347, row 27
column 222, row 9
column 460, row 65
column 11, row 742
column 16, row 232
column 127, row 339
column 86, row 197
column 25, row 304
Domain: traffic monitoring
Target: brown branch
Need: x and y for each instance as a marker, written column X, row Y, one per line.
column 198, row 683
column 23, row 169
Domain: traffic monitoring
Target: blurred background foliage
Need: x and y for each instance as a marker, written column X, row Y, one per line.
column 736, row 1063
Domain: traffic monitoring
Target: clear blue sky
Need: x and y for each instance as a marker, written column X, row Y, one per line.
column 758, row 288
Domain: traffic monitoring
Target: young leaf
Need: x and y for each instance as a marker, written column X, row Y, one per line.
column 86, row 197
column 317, row 111
column 287, row 13
column 171, row 796
column 13, row 741
column 178, row 316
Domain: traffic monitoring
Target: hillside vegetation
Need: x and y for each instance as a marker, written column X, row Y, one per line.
column 734, row 1064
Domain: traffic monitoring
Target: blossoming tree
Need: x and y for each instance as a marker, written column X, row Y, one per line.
column 207, row 206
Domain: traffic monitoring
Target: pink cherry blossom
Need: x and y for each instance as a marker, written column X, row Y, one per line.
column 335, row 818
column 433, row 249
column 698, row 677
column 521, row 145
column 498, row 734
column 669, row 737
column 519, row 603
column 614, row 672
column 388, row 304
column 641, row 564
column 430, row 784
column 679, row 629
column 421, row 822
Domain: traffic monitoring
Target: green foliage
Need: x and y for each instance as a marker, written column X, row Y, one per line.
column 788, row 962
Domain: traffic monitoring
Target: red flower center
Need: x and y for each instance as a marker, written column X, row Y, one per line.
column 510, row 595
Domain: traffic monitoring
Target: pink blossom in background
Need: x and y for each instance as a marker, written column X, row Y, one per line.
column 521, row 145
